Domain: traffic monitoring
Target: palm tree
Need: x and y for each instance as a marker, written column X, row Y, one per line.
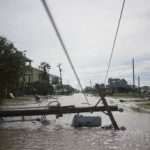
column 44, row 67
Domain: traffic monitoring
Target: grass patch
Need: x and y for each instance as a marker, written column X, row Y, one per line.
column 145, row 105
column 127, row 95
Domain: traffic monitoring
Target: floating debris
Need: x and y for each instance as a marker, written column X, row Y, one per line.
column 86, row 121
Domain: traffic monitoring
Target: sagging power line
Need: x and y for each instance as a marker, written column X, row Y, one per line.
column 114, row 42
column 50, row 16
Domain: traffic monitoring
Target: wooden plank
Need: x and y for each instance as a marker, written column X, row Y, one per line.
column 53, row 111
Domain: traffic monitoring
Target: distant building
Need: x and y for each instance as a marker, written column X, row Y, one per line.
column 27, row 72
column 145, row 89
column 34, row 75
column 118, row 85
column 34, row 78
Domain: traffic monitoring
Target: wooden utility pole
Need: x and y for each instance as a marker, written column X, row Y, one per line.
column 102, row 92
column 139, row 82
column 133, row 73
column 53, row 110
column 60, row 72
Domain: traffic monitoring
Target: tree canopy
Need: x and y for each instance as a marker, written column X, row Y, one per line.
column 44, row 67
column 12, row 66
column 42, row 86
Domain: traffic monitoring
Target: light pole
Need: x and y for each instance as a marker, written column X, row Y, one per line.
column 60, row 72
column 133, row 73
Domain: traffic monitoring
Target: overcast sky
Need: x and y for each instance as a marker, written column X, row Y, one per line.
column 87, row 27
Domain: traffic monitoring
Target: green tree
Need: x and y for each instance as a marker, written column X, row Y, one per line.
column 12, row 66
column 44, row 67
column 43, row 86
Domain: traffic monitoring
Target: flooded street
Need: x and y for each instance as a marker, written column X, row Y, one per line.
column 54, row 47
column 59, row 135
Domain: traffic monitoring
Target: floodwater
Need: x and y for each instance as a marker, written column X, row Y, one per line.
column 59, row 135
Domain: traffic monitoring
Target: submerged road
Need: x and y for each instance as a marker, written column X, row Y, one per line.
column 60, row 135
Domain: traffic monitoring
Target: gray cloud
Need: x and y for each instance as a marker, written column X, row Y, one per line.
column 88, row 28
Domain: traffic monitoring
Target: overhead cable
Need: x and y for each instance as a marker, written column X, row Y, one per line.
column 51, row 18
column 114, row 42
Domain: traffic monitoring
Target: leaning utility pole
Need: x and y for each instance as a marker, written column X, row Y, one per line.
column 102, row 93
column 60, row 71
column 133, row 73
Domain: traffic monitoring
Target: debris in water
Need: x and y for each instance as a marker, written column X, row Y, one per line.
column 86, row 121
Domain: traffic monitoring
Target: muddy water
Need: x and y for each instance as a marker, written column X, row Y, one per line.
column 59, row 135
